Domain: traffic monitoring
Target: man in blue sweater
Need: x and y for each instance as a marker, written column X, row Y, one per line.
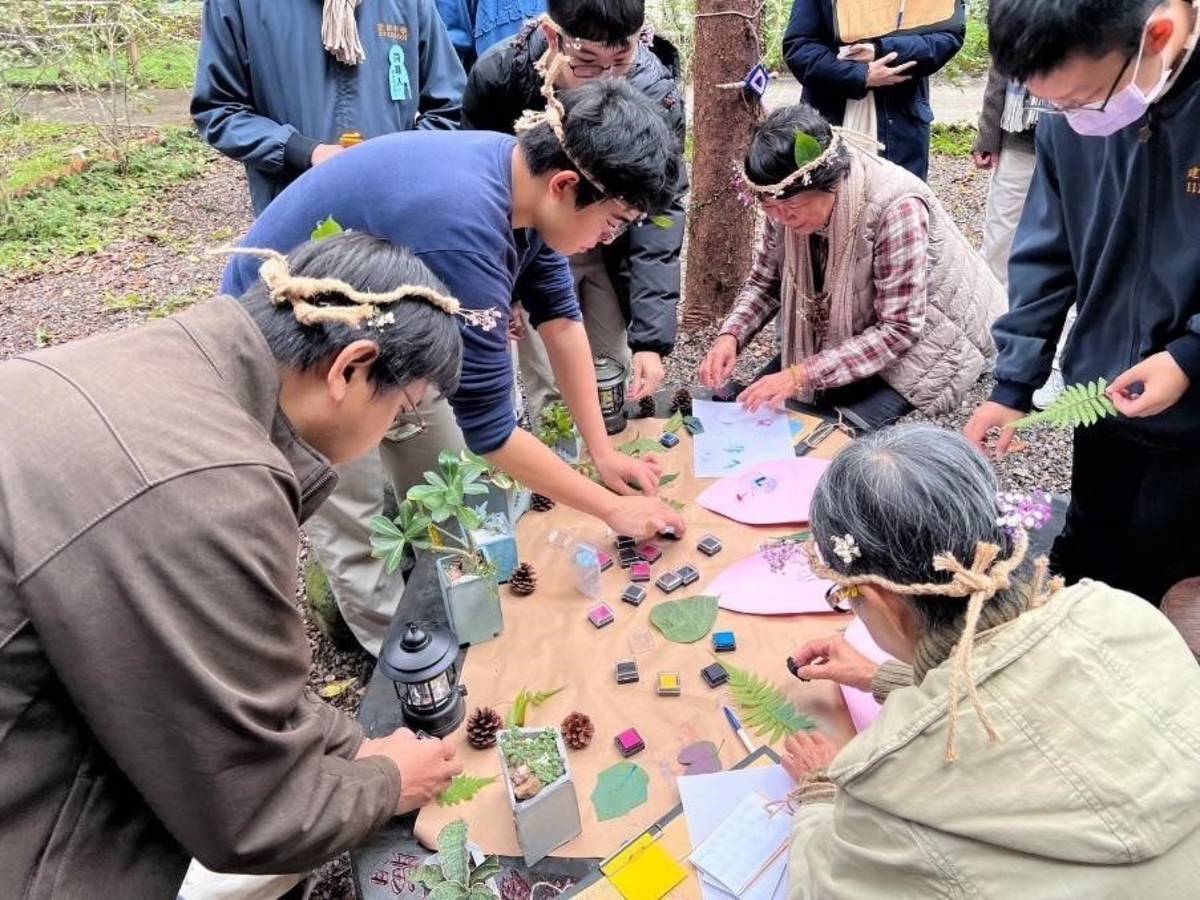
column 279, row 83
column 1111, row 225
column 490, row 215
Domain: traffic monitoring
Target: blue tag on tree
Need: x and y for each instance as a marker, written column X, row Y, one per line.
column 398, row 74
column 756, row 80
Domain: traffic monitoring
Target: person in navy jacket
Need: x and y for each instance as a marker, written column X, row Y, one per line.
column 894, row 68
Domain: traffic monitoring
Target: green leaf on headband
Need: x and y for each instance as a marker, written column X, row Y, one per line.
column 805, row 149
column 326, row 229
column 662, row 221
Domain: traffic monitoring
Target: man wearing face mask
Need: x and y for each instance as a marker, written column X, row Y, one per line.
column 1111, row 225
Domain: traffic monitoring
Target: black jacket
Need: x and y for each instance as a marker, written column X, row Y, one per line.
column 644, row 262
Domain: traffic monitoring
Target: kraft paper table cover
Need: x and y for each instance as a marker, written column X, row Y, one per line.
column 547, row 643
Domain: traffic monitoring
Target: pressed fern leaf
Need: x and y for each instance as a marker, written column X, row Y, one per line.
column 1079, row 405
column 763, row 707
column 463, row 788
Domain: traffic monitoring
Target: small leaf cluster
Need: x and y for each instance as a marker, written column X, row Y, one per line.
column 326, row 229
column 454, row 878
column 763, row 707
column 805, row 148
column 1078, row 406
column 555, row 424
column 538, row 750
column 463, row 788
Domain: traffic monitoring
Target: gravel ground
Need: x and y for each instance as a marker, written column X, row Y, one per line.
column 132, row 281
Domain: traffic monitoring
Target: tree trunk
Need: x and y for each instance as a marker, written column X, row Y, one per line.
column 720, row 228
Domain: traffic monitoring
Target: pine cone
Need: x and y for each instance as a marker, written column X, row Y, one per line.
column 541, row 503
column 647, row 407
column 523, row 580
column 682, row 402
column 577, row 730
column 482, row 727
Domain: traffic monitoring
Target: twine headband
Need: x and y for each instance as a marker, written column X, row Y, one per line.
column 982, row 580
column 840, row 139
column 299, row 290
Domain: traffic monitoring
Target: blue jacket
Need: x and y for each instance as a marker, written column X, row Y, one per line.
column 1111, row 225
column 476, row 25
column 267, row 92
column 904, row 114
column 447, row 198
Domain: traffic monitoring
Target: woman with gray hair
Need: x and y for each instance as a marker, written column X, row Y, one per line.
column 1034, row 739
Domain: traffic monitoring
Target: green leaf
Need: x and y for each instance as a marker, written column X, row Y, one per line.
column 385, row 527
column 685, row 621
column 326, row 229
column 542, row 696
column 428, row 876
column 480, row 892
column 674, row 423
column 619, row 789
column 664, row 222
column 463, row 788
column 1079, row 406
column 805, row 149
column 489, row 868
column 667, row 479
column 516, row 715
column 448, row 890
column 639, row 446
column 763, row 707
column 452, row 852
column 336, row 688
column 677, row 505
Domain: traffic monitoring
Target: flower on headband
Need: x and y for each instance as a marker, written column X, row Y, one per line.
column 483, row 319
column 846, row 548
column 387, row 318
column 1030, row 512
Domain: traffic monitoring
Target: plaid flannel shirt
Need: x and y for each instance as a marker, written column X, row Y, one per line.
column 900, row 263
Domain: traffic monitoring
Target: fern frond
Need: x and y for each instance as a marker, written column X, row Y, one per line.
column 463, row 788
column 1079, row 406
column 763, row 707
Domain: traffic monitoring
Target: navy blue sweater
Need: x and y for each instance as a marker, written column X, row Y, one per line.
column 447, row 196
column 1111, row 225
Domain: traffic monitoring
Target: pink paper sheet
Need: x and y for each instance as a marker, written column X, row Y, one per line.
column 771, row 493
column 750, row 586
column 862, row 705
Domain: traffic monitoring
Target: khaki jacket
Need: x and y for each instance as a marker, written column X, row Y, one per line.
column 152, row 663
column 1093, row 791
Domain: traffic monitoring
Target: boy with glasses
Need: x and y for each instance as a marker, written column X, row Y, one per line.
column 1111, row 226
column 629, row 286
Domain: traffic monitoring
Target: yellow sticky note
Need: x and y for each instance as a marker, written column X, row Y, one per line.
column 644, row 870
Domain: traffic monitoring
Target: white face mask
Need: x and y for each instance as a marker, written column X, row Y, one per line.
column 1123, row 108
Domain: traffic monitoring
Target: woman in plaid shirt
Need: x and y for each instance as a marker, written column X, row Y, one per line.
column 883, row 304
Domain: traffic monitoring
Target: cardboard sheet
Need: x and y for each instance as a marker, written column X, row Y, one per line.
column 548, row 643
column 778, row 492
column 862, row 19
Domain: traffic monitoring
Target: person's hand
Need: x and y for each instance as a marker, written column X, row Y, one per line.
column 323, row 152
column 804, row 754
column 718, row 363
column 984, row 159
column 426, row 766
column 770, row 390
column 516, row 324
column 643, row 517
column 992, row 415
column 1162, row 383
column 863, row 53
column 648, row 374
column 832, row 659
column 626, row 475
column 881, row 72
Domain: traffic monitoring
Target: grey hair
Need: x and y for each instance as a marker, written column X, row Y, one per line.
column 906, row 494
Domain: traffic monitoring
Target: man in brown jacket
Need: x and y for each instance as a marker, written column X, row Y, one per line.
column 152, row 664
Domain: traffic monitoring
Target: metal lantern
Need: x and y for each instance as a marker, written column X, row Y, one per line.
column 610, row 383
column 421, row 664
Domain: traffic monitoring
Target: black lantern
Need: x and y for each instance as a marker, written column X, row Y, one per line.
column 421, row 664
column 610, row 383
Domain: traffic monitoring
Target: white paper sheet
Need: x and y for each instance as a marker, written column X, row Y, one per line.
column 708, row 800
column 733, row 438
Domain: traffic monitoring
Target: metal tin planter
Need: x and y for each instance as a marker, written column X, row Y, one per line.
column 472, row 604
column 550, row 818
column 497, row 537
column 513, row 503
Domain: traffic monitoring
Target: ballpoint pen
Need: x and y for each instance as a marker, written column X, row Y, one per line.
column 736, row 725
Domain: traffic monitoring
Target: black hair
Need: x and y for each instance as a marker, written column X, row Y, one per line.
column 620, row 136
column 609, row 22
column 771, row 156
column 422, row 343
column 1033, row 37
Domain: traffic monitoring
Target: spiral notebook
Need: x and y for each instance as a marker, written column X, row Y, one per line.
column 744, row 846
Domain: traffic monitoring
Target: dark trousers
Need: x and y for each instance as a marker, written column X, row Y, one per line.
column 867, row 404
column 1132, row 519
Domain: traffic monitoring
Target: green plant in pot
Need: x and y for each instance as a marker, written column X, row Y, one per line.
column 556, row 429
column 437, row 516
column 541, row 792
column 458, row 871
column 505, row 494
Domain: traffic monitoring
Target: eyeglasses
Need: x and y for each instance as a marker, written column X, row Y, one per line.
column 617, row 230
column 840, row 597
column 1036, row 104
column 593, row 70
column 410, row 423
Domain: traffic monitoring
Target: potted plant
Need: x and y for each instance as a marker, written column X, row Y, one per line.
column 556, row 429
column 459, row 870
column 541, row 793
column 436, row 516
column 505, row 494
